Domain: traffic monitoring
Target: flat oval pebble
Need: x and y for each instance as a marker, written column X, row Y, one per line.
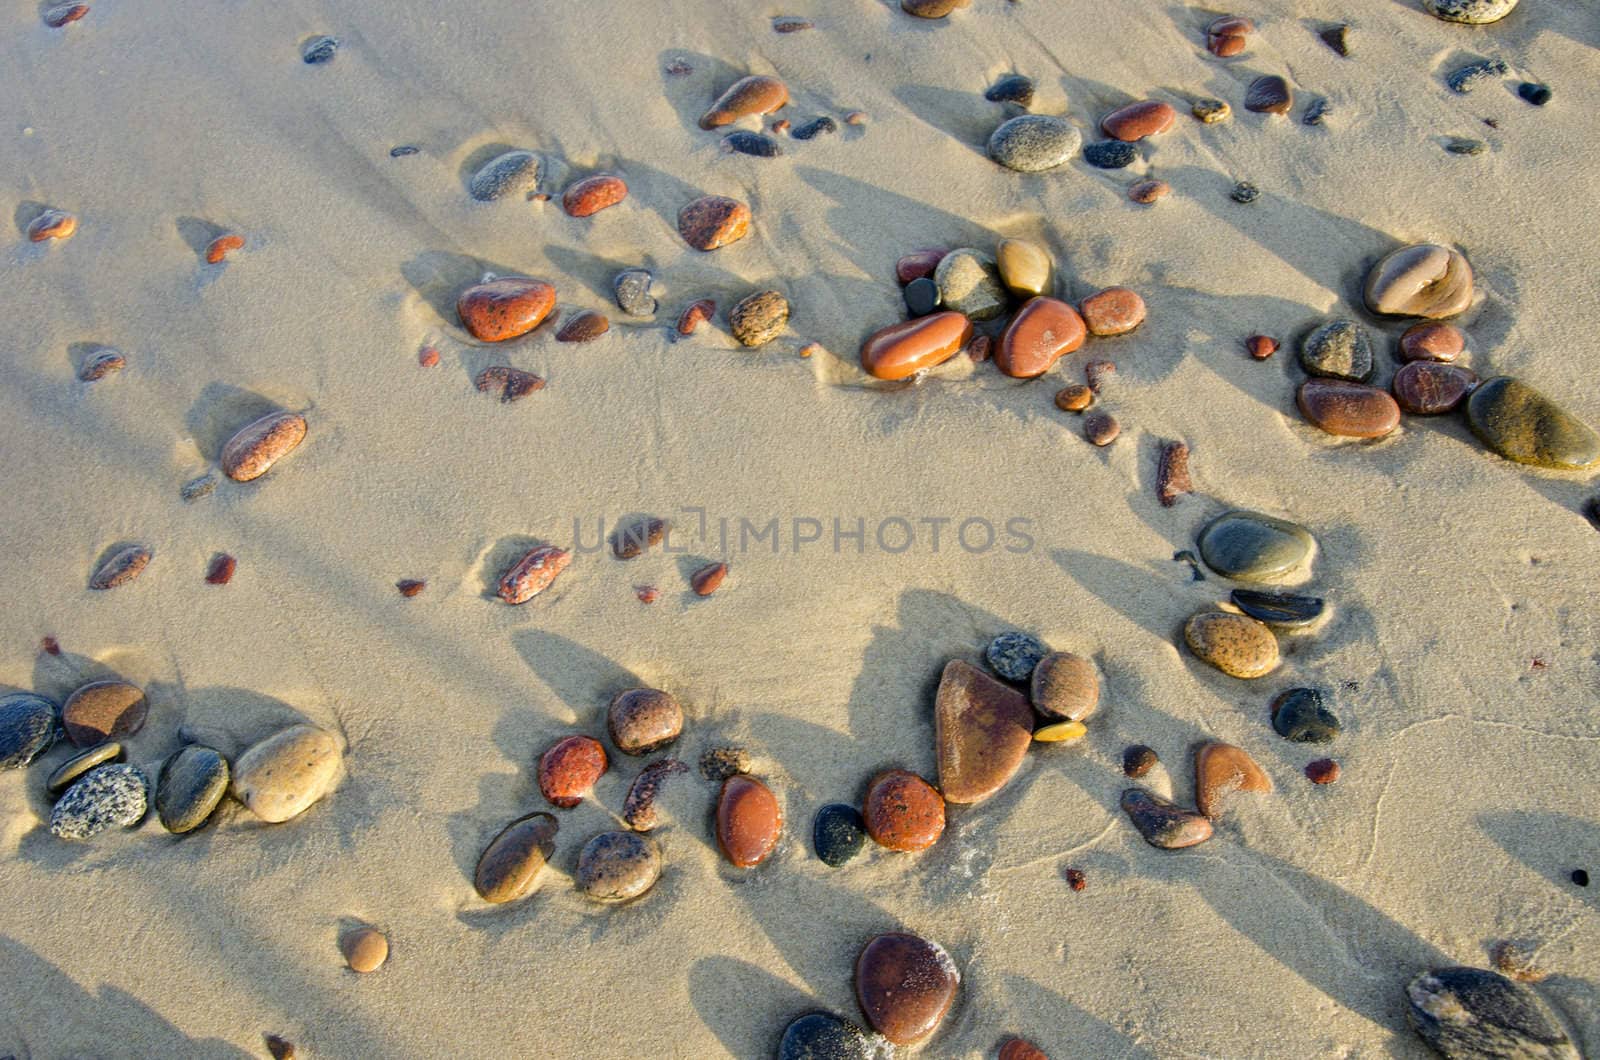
column 189, row 788
column 1522, row 425
column 1161, row 823
column 1101, row 428
column 1074, row 398
column 64, row 775
column 586, row 197
column 838, row 833
column 713, row 221
column 905, row 985
column 1033, row 143
column 1302, row 715
column 106, row 797
column 1146, row 192
column 1113, row 311
column 1471, row 12
column 900, row 351
column 617, row 866
column 1278, row 609
column 903, row 811
column 253, row 451
column 533, row 573
column 1432, row 342
column 498, row 310
column 749, row 821
column 510, row 865
column 104, row 710
column 1211, row 111
column 62, row 14
column 639, row 808
column 1220, row 769
column 969, row 283
column 1251, row 547
column 1420, row 280
column 756, row 94
column 642, row 720
column 511, row 173
column 1322, row 771
column 815, row 128
column 583, row 326
column 52, row 224
column 1428, row 388
column 1065, row 685
column 759, row 318
column 982, row 729
column 756, row 145
column 708, row 579
column 1014, row 655
column 918, row 264
column 1269, row 94
column 122, row 567
column 569, row 769
column 101, row 363
column 27, row 728
column 1110, row 154
column 634, row 538
column 1012, row 88
column 1338, row 349
column 824, row 1036
column 1227, row 36
column 283, row 775
column 631, row 289
column 1476, row 1014
column 1237, row 645
column 1139, row 120
column 931, row 8
column 1025, row 267
column 365, row 949
column 1061, row 732
column 1020, row 1049
column 1043, row 331
column 1348, row 410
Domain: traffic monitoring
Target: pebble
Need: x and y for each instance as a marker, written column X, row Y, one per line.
column 1017, row 1048
column 1261, row 347
column 1227, row 36
column 900, row 351
column 1074, row 398
column 824, row 1036
column 1318, row 111
column 1025, row 268
column 1473, row 1012
column 1245, row 192
column 902, row 811
column 1338, row 349
column 790, row 24
column 189, row 788
column 509, row 866
column 105, row 797
column 697, row 313
column 104, row 710
column 815, row 128
column 1172, row 474
column 922, row 297
column 1278, row 609
column 1337, row 38
column 533, row 573
column 1322, row 771
column 1302, row 715
column 617, row 866
column 1468, row 77
column 199, row 487
column 1014, row 655
column 1148, row 191
column 259, row 445
column 713, row 221
column 586, row 197
column 1033, row 143
column 756, row 94
column 365, row 949
column 1428, row 388
column 512, row 384
column 1516, row 961
column 1211, row 111
column 1348, row 410
column 1269, row 94
column 749, row 821
column 635, row 538
column 502, row 309
column 639, row 808
column 512, row 173
column 708, row 579
column 1110, row 154
column 1580, row 877
column 1065, row 685
column 1138, row 760
column 279, row 1047
column 1061, row 732
column 101, row 363
column 631, row 289
column 759, row 318
column 1473, row 12
column 584, row 326
column 1237, row 645
column 918, row 264
column 283, row 775
column 642, row 720
column 931, row 8
column 1420, row 280
column 982, row 729
column 1460, row 145
column 1522, row 425
column 569, row 768
column 63, row 14
column 719, row 763
column 1220, row 769
column 757, row 145
column 221, row 247
column 1251, row 547
column 1113, row 311
column 1012, row 88
column 1161, row 823
column 838, row 833
column 969, row 283
column 1535, row 93
column 1101, row 428
column 404, row 151
column 123, row 566
column 1043, row 331
column 319, row 50
column 905, row 985
column 1432, row 342
column 978, row 348
column 64, row 775
column 1096, row 373
column 1138, row 120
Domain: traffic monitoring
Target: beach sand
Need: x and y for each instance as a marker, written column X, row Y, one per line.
column 1460, row 655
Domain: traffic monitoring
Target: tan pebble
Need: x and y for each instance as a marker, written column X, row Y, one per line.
column 856, row 117
column 756, row 94
column 1237, row 645
column 1211, row 111
column 251, row 452
column 283, row 775
column 1148, row 191
column 1074, row 398
column 812, row 349
column 590, row 195
column 1025, row 268
column 104, row 710
column 1421, row 280
column 1113, row 311
column 1066, row 686
column 760, row 318
column 365, row 949
column 533, row 573
column 510, row 865
column 1221, row 769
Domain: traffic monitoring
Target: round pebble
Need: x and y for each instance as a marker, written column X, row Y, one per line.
column 510, row 865
column 749, row 821
column 1101, row 428
column 631, row 288
column 511, row 173
column 1420, row 280
column 1025, row 267
column 617, row 866
column 1522, row 425
column 713, row 221
column 1235, row 644
column 1269, row 94
column 1014, row 655
column 917, row 264
column 1110, row 154
column 1074, row 398
column 1228, row 36
column 754, row 144
column 569, row 769
column 969, row 284
column 1428, row 388
column 27, row 728
column 903, row 812
column 1251, row 547
column 1346, row 409
column 64, row 775
column 759, row 318
column 922, row 297
column 1474, row 1013
column 1432, row 342
column 1322, row 771
column 815, row 128
column 1211, row 111
column 319, row 50
column 1302, row 715
column 1535, row 93
column 1065, row 685
column 1220, row 769
column 1244, row 192
column 1017, row 1048
column 1033, row 143
column 365, row 949
column 1162, row 824
column 824, row 1036
column 190, row 787
column 1472, row 12
column 642, row 720
column 1113, row 311
column 104, row 710
column 283, row 775
column 838, row 833
column 905, row 985
column 1043, row 331
column 106, row 797
column 1261, row 346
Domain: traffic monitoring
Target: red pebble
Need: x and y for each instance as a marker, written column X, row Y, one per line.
column 51, row 646
column 1076, row 880
column 1323, row 771
column 647, row 594
column 695, row 315
column 707, row 579
column 221, row 571
column 568, row 770
column 410, row 586
column 1261, row 346
column 1021, row 1049
column 978, row 348
column 428, row 357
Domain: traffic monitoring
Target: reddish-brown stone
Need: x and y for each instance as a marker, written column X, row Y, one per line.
column 1227, row 36
column 584, row 326
column 918, row 264
column 978, row 349
column 1042, row 332
column 1018, row 1048
column 713, row 221
column 104, row 710
column 982, row 730
column 569, row 769
column 52, row 224
column 221, row 247
column 533, row 573
column 756, row 94
column 593, row 194
column 641, row 720
column 749, row 821
column 1074, row 398
column 1065, row 685
column 410, row 587
column 510, row 383
column 1322, row 771
column 708, row 579
column 505, row 308
column 695, row 315
column 258, row 445
column 428, row 356
column 1138, row 120
column 902, row 350
column 1172, row 473
column 1221, row 769
column 1101, row 428
column 1261, row 346
column 221, row 570
column 903, row 811
column 1096, row 373
column 1113, row 311
column 1432, row 342
column 905, row 985
column 1427, row 388
column 120, row 568
column 1346, row 409
column 1146, row 192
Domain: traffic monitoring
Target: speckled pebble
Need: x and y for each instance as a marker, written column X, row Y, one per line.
column 1110, row 154
column 838, row 833
column 105, row 797
column 824, row 1036
column 27, row 728
column 1032, row 143
column 1013, row 655
column 1473, row 1013
column 1237, row 645
column 1012, row 88
column 1338, row 349
column 617, row 866
column 631, row 287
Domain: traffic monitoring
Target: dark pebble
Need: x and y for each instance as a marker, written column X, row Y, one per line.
column 638, row 536
column 1535, row 93
column 814, row 128
column 922, row 297
column 752, row 143
column 1302, row 715
column 1580, row 877
column 27, row 728
column 838, row 833
column 1466, row 79
column 1318, row 112
column 1139, row 760
column 790, row 24
column 1337, row 38
column 1269, row 94
column 1244, row 191
column 1185, row 556
column 191, row 785
column 196, row 488
column 1472, row 1012
column 1110, row 154
column 1278, row 609
column 1161, row 823
column 1013, row 88
column 319, row 50
column 583, row 326
column 1014, row 655
column 1428, row 388
column 1460, row 145
column 403, row 150
column 719, row 763
column 824, row 1036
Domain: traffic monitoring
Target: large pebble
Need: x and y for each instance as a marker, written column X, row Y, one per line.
column 1472, row 12
column 1523, row 425
column 982, row 730
column 189, row 788
column 838, row 833
column 756, row 94
column 1278, row 609
column 1420, row 280
column 1302, row 715
column 503, row 309
column 903, row 811
column 510, row 865
column 905, row 985
column 1237, row 645
column 1428, row 388
column 1430, row 341
column 1042, row 332
column 1346, row 409
column 532, row 574
column 900, row 351
column 1139, row 120
column 969, row 283
column 1032, row 143
column 569, row 769
column 1161, row 823
column 1014, row 654
column 106, row 797
column 259, row 445
column 508, row 174
column 749, row 821
column 1025, row 268
column 642, row 720
column 1338, row 349
column 280, row 777
column 1220, row 769
column 104, row 710
column 617, row 866
column 1065, row 686
column 824, row 1036
column 713, row 221
column 759, row 318
column 27, row 728
column 68, row 772
column 1251, row 547
column 1476, row 1014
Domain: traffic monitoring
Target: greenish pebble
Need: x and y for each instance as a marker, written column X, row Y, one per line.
column 79, row 764
column 1251, row 547
column 190, row 787
column 1523, row 425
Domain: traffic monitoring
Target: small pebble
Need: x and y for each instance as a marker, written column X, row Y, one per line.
column 756, row 94
column 101, row 363
column 1074, row 398
column 199, row 487
column 1172, row 473
column 1317, row 112
column 755, row 144
column 1472, row 12
column 617, row 866
column 903, row 812
column 931, row 8
column 708, row 579
column 856, row 117
column 1014, row 655
column 569, row 768
column 824, row 1036
column 1012, row 88
column 190, row 787
column 759, row 318
column 1432, row 341
column 584, row 326
column 749, row 821
column 587, row 197
column 811, row 349
column 1061, row 732
column 50, row 646
column 1471, row 1013
column 1348, row 410
column 719, row 763
column 978, row 349
column 643, row 720
column 780, row 126
column 1322, row 771
column 1033, row 143
column 1269, row 94
column 1136, row 121
column 1077, row 881
column 280, row 1047
column 1228, row 36
column 107, row 796
column 1580, row 877
column 404, row 151
column 510, row 865
column 1261, row 346
column 1017, row 1048
column 922, row 297
column 319, row 50
column 260, row 444
column 647, row 594
column 790, row 24
column 1535, row 93
column 678, row 68
column 1337, row 38
column 1113, row 311
column 713, row 221
column 815, row 128
column 1235, row 644
column 1065, row 686
column 428, row 357
column 1101, row 428
column 1161, row 823
column 365, row 949
column 639, row 808
column 221, row 247
column 512, row 384
column 1302, row 715
column 838, row 833
column 1515, row 961
column 1110, row 154
column 1220, row 769
column 1211, row 111
column 631, row 287
column 1463, row 146
column 52, row 224
column 1244, row 192
column 1470, row 76
column 1138, row 760
column 221, row 570
column 64, row 14
column 1098, row 373
column 905, row 985
column 1146, row 192
column 532, row 574
column 67, row 773
column 283, row 775
column 1338, row 349
column 695, row 315
column 1284, row 610
column 122, row 567
column 633, row 539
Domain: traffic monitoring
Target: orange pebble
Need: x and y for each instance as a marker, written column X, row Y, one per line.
column 221, row 247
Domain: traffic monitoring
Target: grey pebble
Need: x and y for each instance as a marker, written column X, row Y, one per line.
column 1338, row 349
column 1474, row 1014
column 814, row 128
column 403, row 150
column 1467, row 78
column 105, row 797
column 1318, row 112
column 27, row 728
column 1014, row 655
column 319, row 50
column 632, row 290
column 190, row 786
column 507, row 174
column 1012, row 88
column 1244, row 192
column 1033, row 143
column 1459, row 145
column 617, row 866
column 196, row 488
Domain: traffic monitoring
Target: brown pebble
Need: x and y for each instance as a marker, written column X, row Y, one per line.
column 592, row 194
column 1227, row 36
column 780, row 126
column 1138, row 120
column 1346, row 409
column 713, row 221
column 101, row 364
column 639, row 808
column 52, row 224
column 634, row 538
column 759, row 318
column 903, row 811
column 1432, row 341
column 1221, row 769
column 259, row 445
column 811, row 349
column 584, row 326
column 856, row 117
column 428, row 357
column 918, row 264
column 749, row 821
column 1139, row 760
column 695, row 315
column 1101, row 428
column 410, row 587
column 1269, row 94
column 510, row 865
column 756, row 94
column 505, row 308
column 569, row 768
column 1017, row 1048
column 221, row 570
column 63, row 14
column 931, row 8
column 900, row 351
column 1113, row 311
column 719, row 763
column 1074, row 397
column 1172, row 475
column 647, row 594
column 365, row 949
column 1148, row 191
column 510, row 383
column 1428, row 388
column 1043, row 331
column 979, row 348
column 1323, row 771
column 221, row 247
column 642, row 720
column 533, row 573
column 1065, row 685
column 1261, row 346
column 708, row 579
column 982, row 730
column 104, row 710
column 1076, row 880
column 1516, row 961
column 280, row 1047
column 905, row 985
column 790, row 24
column 50, row 646
column 1095, row 373
column 123, row 566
